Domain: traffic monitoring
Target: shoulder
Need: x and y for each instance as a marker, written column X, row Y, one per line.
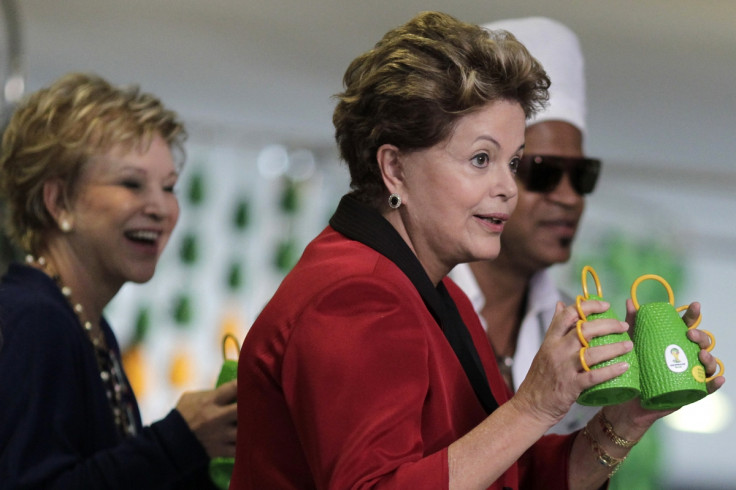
column 338, row 272
column 332, row 251
column 32, row 317
column 43, row 344
column 338, row 285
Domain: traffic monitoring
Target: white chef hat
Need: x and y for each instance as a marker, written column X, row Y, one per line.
column 555, row 46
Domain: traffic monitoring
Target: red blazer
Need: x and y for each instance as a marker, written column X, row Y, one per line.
column 346, row 380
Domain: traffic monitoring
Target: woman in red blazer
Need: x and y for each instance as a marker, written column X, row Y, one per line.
column 369, row 368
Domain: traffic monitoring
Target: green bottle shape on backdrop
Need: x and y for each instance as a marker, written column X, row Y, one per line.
column 241, row 216
column 196, row 194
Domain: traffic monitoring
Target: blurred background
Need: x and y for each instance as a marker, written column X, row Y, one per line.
column 254, row 79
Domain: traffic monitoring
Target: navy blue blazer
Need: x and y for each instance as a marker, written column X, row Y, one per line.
column 56, row 426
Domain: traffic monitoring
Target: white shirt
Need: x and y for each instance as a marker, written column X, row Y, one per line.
column 540, row 308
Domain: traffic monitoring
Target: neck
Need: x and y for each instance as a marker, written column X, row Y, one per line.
column 434, row 268
column 79, row 281
column 505, row 291
column 500, row 284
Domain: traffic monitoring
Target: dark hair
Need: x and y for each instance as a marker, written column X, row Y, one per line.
column 417, row 81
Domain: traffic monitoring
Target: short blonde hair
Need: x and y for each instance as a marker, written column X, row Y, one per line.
column 56, row 131
column 418, row 80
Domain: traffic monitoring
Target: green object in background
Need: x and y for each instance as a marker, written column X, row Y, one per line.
column 189, row 251
column 183, row 310
column 235, row 276
column 142, row 325
column 196, row 193
column 285, row 257
column 241, row 218
column 290, row 198
column 221, row 469
column 640, row 471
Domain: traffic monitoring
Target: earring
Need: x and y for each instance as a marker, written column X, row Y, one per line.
column 65, row 226
column 394, row 201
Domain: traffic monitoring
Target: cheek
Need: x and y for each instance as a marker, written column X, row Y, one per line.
column 174, row 212
column 101, row 204
column 524, row 204
column 523, row 216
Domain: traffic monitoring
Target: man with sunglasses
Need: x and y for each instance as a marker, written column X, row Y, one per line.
column 514, row 294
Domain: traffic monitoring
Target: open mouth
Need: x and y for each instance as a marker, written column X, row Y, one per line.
column 491, row 219
column 143, row 236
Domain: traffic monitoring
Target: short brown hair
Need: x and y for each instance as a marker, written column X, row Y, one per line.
column 417, row 81
column 55, row 131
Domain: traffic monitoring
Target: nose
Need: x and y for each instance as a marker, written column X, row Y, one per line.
column 564, row 193
column 504, row 183
column 161, row 204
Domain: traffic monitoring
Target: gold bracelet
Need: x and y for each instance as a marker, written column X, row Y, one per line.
column 611, row 434
column 602, row 456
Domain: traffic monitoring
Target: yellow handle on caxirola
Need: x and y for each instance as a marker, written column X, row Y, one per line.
column 583, row 318
column 232, row 338
column 640, row 279
column 592, row 272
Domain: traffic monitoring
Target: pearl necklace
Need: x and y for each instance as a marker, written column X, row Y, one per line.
column 116, row 388
column 95, row 335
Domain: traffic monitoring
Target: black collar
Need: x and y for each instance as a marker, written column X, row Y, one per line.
column 364, row 224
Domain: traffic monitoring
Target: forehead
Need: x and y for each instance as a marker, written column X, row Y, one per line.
column 154, row 159
column 501, row 121
column 556, row 138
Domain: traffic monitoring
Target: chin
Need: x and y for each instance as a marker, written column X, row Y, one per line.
column 550, row 260
column 140, row 277
column 490, row 254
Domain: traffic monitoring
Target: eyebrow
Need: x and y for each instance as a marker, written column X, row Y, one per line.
column 488, row 138
column 495, row 142
column 126, row 167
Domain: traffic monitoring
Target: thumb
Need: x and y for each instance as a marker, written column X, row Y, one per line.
column 559, row 307
column 226, row 393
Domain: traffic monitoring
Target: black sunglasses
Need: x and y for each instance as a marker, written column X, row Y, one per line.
column 542, row 173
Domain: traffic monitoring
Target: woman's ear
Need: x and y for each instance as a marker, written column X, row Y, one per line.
column 389, row 162
column 56, row 204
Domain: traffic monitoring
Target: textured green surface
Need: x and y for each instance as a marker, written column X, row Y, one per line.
column 621, row 388
column 659, row 326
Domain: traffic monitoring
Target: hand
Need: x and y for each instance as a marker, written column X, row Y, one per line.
column 556, row 377
column 641, row 419
column 692, row 314
column 212, row 416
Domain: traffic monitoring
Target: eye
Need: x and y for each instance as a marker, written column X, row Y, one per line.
column 131, row 184
column 514, row 164
column 170, row 189
column 480, row 160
